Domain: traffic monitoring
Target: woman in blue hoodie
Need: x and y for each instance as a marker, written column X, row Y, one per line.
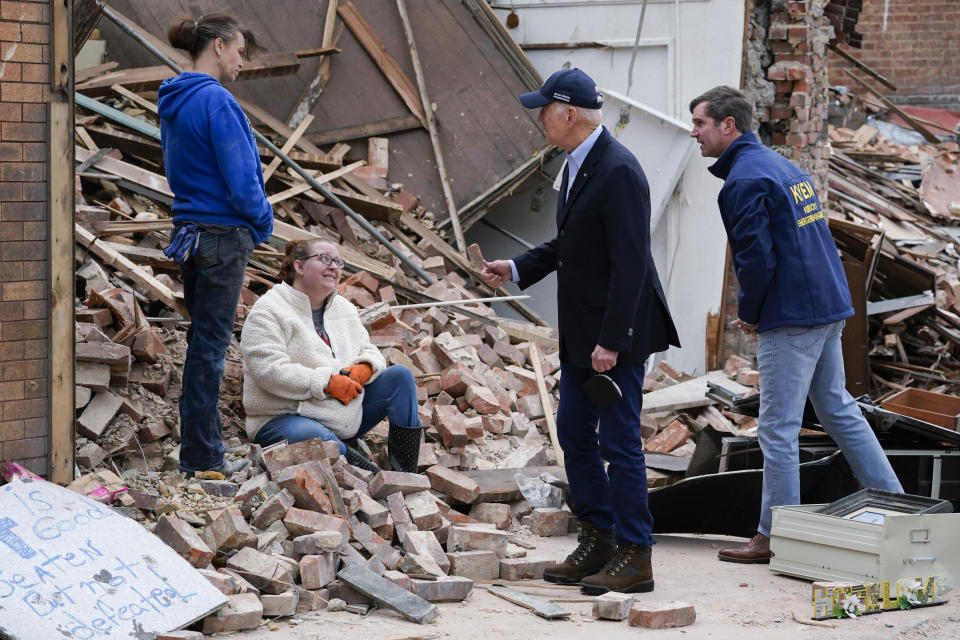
column 220, row 213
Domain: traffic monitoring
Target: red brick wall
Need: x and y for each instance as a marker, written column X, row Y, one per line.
column 919, row 51
column 24, row 281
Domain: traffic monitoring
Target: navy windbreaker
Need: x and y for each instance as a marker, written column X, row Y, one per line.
column 786, row 261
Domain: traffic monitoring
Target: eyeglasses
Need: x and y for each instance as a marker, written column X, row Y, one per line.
column 326, row 259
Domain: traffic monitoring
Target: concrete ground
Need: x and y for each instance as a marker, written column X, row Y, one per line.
column 741, row 602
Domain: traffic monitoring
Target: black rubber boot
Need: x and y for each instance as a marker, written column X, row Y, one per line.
column 360, row 461
column 403, row 448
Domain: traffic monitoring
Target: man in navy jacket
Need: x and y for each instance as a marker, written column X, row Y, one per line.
column 612, row 316
column 794, row 296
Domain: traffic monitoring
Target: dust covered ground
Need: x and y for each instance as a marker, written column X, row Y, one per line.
column 742, row 602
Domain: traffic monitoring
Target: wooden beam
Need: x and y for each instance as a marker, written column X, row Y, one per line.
column 311, row 93
column 60, row 181
column 82, row 75
column 906, row 117
column 317, row 52
column 432, row 128
column 134, row 98
column 545, row 401
column 320, row 177
column 365, row 130
column 382, row 210
column 863, row 67
column 461, row 261
column 292, row 140
column 130, row 269
column 377, row 51
column 278, row 127
column 149, row 78
column 135, row 174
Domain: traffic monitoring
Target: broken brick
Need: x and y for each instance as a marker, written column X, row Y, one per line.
column 387, row 482
column 243, row 611
column 666, row 615
column 453, row 483
column 184, row 540
column 613, row 606
column 476, row 565
column 318, row 570
column 522, row 569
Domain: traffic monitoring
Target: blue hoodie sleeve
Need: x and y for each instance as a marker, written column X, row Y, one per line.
column 748, row 226
column 239, row 165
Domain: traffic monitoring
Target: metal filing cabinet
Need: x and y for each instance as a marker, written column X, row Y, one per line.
column 818, row 546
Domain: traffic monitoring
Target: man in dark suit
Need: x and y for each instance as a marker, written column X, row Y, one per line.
column 612, row 316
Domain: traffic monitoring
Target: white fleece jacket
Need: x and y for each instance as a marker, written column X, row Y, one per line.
column 287, row 366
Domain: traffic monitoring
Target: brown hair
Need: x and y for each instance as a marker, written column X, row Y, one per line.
column 298, row 250
column 194, row 36
column 725, row 102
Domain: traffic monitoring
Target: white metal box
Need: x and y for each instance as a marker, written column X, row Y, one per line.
column 825, row 547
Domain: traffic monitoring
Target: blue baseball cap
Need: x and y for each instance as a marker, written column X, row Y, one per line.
column 570, row 86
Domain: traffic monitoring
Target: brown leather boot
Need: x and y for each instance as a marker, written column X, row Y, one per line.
column 629, row 571
column 757, row 551
column 597, row 546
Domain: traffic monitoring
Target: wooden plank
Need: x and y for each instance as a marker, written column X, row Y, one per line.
column 134, row 98
column 383, row 210
column 541, row 607
column 499, row 485
column 365, row 130
column 292, row 140
column 117, row 227
column 389, row 595
column 461, row 261
column 322, row 178
column 432, row 129
column 311, row 93
column 842, row 184
column 691, row 393
column 86, row 139
column 61, row 247
column 278, row 127
column 149, row 78
column 143, row 255
column 118, row 116
column 377, row 51
column 545, row 401
column 153, row 181
column 860, row 65
column 82, row 75
column 130, row 269
column 916, row 126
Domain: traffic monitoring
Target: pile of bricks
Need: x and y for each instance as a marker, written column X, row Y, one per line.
column 274, row 537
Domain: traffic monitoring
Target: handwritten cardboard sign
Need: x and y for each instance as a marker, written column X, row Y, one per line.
column 73, row 568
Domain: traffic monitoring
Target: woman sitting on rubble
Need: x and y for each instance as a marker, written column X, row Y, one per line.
column 310, row 370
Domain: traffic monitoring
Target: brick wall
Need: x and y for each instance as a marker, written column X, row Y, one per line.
column 919, row 51
column 24, row 281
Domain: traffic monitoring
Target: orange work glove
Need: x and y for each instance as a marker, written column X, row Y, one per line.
column 359, row 373
column 343, row 388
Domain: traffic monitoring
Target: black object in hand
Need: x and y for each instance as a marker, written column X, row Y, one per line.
column 602, row 390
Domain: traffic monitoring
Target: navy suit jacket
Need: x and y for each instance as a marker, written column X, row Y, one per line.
column 608, row 290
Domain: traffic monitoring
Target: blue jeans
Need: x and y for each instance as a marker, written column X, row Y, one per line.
column 796, row 362
column 615, row 498
column 212, row 279
column 393, row 394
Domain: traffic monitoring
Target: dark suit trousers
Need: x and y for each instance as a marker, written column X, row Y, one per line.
column 615, row 498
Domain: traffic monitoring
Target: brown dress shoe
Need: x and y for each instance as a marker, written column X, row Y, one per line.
column 596, row 548
column 757, row 551
column 629, row 571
